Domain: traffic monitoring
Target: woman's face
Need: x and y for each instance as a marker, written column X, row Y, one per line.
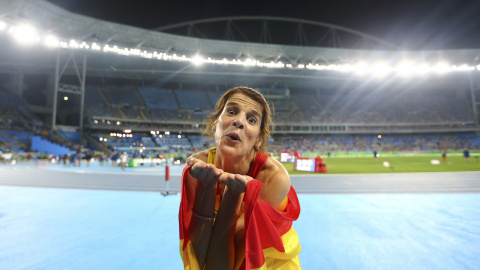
column 237, row 130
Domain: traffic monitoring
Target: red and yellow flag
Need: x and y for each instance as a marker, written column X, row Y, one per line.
column 271, row 241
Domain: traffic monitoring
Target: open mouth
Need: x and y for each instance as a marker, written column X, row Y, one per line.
column 234, row 137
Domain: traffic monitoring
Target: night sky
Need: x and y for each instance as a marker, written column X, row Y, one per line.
column 414, row 25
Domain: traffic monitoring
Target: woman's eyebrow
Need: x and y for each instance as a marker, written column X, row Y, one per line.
column 252, row 111
column 256, row 113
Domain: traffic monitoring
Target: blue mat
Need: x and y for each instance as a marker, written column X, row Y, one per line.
column 43, row 228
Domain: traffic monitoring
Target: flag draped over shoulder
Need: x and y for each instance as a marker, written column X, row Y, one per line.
column 271, row 241
column 186, row 249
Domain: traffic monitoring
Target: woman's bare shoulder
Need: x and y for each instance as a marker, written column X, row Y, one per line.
column 277, row 182
column 274, row 171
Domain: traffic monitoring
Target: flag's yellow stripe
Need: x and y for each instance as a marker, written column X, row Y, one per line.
column 188, row 257
column 287, row 260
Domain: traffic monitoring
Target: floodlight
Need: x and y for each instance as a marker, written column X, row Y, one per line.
column 65, row 98
column 197, row 60
column 52, row 41
column 405, row 69
column 380, row 69
column 441, row 68
column 422, row 68
column 74, row 44
column 360, row 68
column 25, row 34
column 463, row 67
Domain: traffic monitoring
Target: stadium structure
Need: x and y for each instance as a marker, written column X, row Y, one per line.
column 107, row 82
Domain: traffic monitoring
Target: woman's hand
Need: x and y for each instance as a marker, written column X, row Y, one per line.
column 206, row 174
column 236, row 183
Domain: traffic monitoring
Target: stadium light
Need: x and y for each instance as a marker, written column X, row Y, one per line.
column 197, row 60
column 24, row 34
column 27, row 34
column 440, row 68
column 360, row 68
column 380, row 69
column 51, row 41
column 405, row 69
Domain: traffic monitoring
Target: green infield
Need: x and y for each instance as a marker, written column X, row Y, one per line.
column 395, row 164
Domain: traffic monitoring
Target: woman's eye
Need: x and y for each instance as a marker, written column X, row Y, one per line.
column 230, row 112
column 252, row 120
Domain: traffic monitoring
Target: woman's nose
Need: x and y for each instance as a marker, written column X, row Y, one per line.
column 238, row 123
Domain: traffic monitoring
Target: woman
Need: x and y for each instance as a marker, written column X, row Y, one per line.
column 237, row 203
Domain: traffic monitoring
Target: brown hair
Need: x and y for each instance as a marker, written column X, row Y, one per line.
column 256, row 96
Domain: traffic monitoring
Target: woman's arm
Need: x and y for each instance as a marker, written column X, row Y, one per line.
column 222, row 253
column 201, row 189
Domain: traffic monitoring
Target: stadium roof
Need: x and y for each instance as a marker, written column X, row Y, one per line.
column 56, row 21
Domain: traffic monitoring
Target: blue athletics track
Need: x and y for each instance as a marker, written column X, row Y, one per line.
column 100, row 217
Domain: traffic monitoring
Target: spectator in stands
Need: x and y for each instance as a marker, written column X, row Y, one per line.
column 216, row 206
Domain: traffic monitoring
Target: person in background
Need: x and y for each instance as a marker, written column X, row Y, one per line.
column 237, row 203
column 88, row 157
column 114, row 159
column 466, row 155
column 124, row 160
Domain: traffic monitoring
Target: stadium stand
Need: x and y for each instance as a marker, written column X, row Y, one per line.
column 97, row 104
column 312, row 112
column 192, row 100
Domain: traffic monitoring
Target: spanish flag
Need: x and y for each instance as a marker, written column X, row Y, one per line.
column 271, row 241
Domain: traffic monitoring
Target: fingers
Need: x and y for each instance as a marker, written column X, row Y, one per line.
column 192, row 161
column 230, row 176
